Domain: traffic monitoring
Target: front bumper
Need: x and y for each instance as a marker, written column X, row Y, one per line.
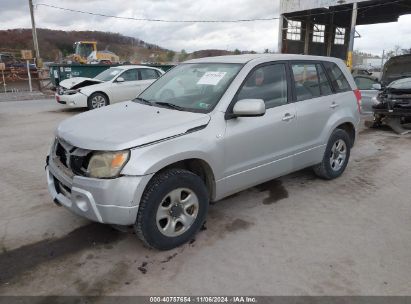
column 109, row 201
column 74, row 100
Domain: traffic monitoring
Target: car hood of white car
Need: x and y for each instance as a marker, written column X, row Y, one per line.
column 78, row 82
column 126, row 125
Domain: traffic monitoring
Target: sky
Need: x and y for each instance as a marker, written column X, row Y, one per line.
column 256, row 36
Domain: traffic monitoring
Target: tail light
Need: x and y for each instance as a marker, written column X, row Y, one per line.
column 357, row 94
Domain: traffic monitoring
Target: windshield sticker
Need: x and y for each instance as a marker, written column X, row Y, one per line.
column 211, row 78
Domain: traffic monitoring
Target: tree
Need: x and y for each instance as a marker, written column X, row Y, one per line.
column 266, row 51
column 237, row 52
column 397, row 50
column 170, row 56
column 406, row 51
column 183, row 55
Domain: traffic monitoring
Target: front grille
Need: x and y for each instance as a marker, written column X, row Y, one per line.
column 61, row 153
column 72, row 158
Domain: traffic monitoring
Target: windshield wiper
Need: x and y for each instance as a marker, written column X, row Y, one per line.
column 145, row 101
column 169, row 105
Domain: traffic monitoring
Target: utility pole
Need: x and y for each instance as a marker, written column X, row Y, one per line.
column 35, row 41
column 352, row 34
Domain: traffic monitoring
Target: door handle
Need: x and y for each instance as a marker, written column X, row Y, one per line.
column 288, row 117
column 334, row 105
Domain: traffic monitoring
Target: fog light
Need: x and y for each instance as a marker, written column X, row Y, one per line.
column 81, row 203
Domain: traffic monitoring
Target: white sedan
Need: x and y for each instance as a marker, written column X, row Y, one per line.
column 115, row 84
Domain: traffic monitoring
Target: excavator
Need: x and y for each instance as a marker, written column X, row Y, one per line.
column 86, row 52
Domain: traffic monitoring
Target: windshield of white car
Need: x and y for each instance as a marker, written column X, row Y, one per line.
column 195, row 87
column 108, row 74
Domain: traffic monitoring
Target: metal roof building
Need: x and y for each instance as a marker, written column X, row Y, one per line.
column 327, row 27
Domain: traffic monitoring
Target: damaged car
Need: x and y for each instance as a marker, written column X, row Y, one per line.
column 113, row 85
column 393, row 106
column 207, row 129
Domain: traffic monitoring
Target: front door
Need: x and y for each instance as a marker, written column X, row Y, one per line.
column 258, row 149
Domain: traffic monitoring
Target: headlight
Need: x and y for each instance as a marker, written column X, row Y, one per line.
column 72, row 92
column 107, row 164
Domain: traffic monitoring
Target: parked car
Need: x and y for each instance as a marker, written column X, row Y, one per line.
column 361, row 71
column 394, row 107
column 115, row 84
column 370, row 88
column 392, row 103
column 208, row 128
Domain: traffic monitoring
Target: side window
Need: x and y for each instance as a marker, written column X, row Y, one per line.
column 147, row 74
column 268, row 83
column 337, row 77
column 130, row 75
column 306, row 80
column 325, row 86
column 364, row 83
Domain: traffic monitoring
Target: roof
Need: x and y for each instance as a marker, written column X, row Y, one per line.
column 290, row 6
column 132, row 66
column 369, row 11
column 258, row 57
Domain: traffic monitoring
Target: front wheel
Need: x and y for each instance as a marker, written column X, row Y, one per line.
column 336, row 156
column 97, row 100
column 172, row 210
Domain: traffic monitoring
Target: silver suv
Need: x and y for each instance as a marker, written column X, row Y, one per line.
column 206, row 129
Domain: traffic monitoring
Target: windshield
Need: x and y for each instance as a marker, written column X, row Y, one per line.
column 83, row 49
column 109, row 74
column 195, row 87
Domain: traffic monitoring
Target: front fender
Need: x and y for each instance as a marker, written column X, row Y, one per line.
column 152, row 158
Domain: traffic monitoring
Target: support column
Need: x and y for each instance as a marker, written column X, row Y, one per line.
column 280, row 33
column 352, row 35
column 307, row 35
column 331, row 30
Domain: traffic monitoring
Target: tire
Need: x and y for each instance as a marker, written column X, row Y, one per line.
column 97, row 100
column 333, row 164
column 162, row 205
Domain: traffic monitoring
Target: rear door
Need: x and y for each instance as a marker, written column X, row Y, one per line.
column 314, row 101
column 121, row 91
column 260, row 148
column 145, row 78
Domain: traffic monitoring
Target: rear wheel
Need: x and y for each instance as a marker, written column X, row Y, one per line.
column 336, row 156
column 172, row 210
column 97, row 100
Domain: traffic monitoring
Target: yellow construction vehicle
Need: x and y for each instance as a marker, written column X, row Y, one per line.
column 86, row 52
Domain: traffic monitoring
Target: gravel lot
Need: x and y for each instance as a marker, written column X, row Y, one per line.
column 296, row 235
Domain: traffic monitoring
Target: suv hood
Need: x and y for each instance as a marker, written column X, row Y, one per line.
column 126, row 125
column 78, row 82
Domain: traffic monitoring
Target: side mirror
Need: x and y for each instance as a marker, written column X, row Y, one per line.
column 249, row 108
column 120, row 79
column 377, row 86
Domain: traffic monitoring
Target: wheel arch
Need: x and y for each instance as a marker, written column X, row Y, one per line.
column 197, row 166
column 102, row 93
column 350, row 129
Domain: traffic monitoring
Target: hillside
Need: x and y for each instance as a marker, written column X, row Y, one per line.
column 56, row 44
